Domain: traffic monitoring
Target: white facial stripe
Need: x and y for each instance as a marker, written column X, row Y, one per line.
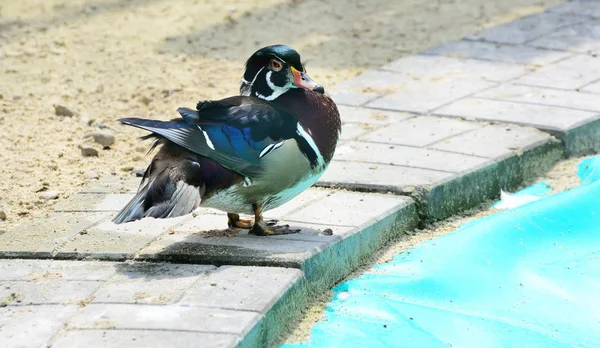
column 301, row 132
column 277, row 91
column 207, row 139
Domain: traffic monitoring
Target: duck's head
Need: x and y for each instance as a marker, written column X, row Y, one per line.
column 274, row 70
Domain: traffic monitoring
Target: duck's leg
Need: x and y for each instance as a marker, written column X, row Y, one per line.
column 263, row 228
column 233, row 220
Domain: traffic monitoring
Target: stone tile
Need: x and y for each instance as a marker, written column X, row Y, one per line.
column 407, row 156
column 32, row 326
column 375, row 81
column 47, row 291
column 242, row 288
column 96, row 202
column 352, row 98
column 570, row 73
column 40, row 236
column 350, row 208
column 541, row 116
column 497, row 52
column 494, row 141
column 420, row 131
column 379, row 177
column 165, row 317
column 203, row 222
column 351, row 131
column 584, row 7
column 371, row 116
column 423, row 96
column 239, row 248
column 150, row 283
column 143, row 338
column 432, row 68
column 65, row 270
column 117, row 242
column 528, row 28
column 592, row 88
column 584, row 37
column 543, row 96
column 307, row 197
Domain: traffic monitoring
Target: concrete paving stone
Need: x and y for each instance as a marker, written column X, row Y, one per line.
column 353, row 98
column 540, row 116
column 424, row 96
column 497, row 52
column 242, row 288
column 150, row 283
column 32, row 326
column 109, row 241
column 592, row 88
column 529, row 27
column 375, row 81
column 47, row 291
column 40, row 236
column 584, row 37
column 432, row 68
column 571, row 73
column 494, row 141
column 307, row 197
column 399, row 155
column 110, row 202
column 350, row 208
column 584, row 7
column 113, row 184
column 543, row 96
column 143, row 338
column 240, row 249
column 371, row 116
column 18, row 269
column 420, row 131
column 163, row 317
column 378, row 177
column 351, row 131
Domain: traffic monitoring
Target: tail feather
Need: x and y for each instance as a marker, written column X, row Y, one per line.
column 161, row 198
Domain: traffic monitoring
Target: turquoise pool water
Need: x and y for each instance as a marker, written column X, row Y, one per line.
column 524, row 277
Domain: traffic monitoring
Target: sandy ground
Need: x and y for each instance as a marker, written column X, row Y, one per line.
column 144, row 58
column 561, row 177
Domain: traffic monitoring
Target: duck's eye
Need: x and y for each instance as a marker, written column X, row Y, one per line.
column 276, row 65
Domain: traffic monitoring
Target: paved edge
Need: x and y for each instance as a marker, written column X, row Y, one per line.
column 328, row 267
column 581, row 140
column 469, row 189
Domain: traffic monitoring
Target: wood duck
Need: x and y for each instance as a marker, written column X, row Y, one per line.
column 242, row 154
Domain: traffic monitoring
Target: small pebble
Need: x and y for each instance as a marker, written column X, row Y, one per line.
column 2, row 215
column 138, row 171
column 145, row 100
column 100, row 89
column 16, row 97
column 91, row 175
column 60, row 110
column 104, row 138
column 48, row 195
column 87, row 151
column 328, row 232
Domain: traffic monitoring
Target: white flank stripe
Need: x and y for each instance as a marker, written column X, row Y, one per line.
column 266, row 150
column 208, row 141
column 301, row 132
column 269, row 148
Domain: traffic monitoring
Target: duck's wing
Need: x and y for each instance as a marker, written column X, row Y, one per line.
column 236, row 132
